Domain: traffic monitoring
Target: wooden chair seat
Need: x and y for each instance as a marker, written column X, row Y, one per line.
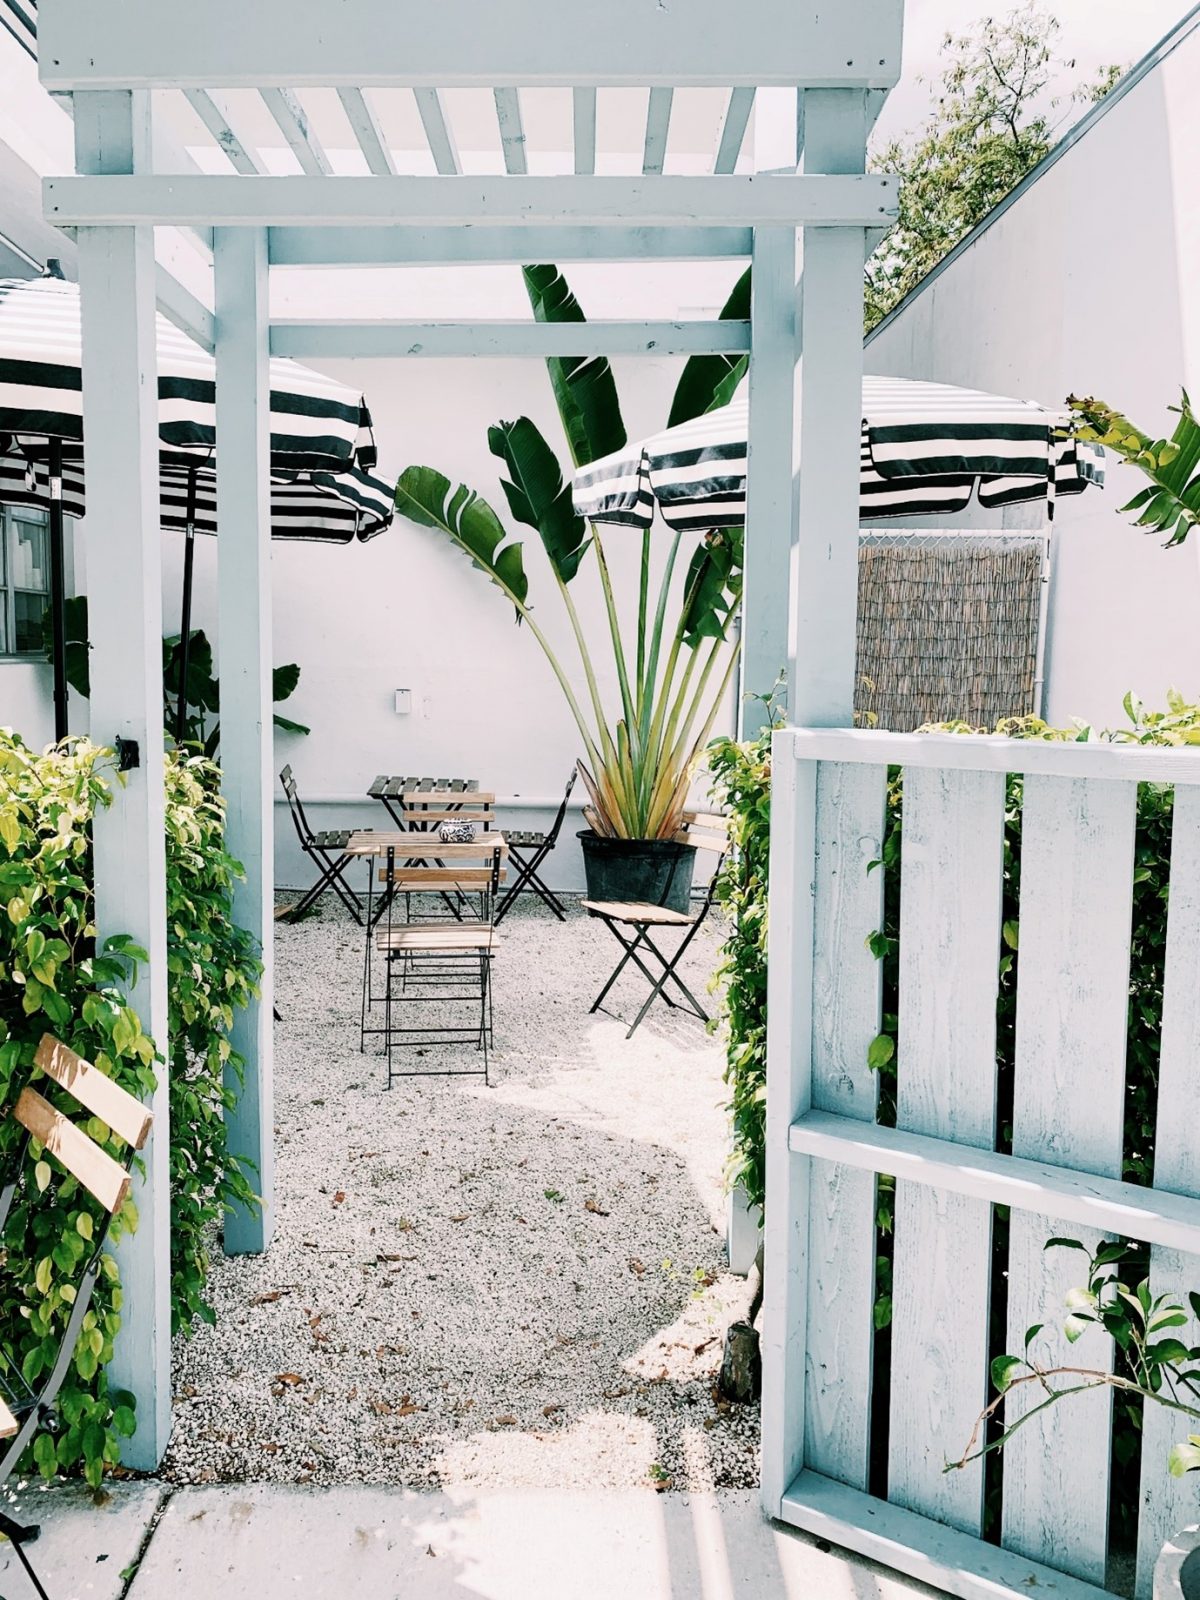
column 8, row 1423
column 638, row 913
column 441, row 936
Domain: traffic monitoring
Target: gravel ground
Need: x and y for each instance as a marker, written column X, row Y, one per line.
column 519, row 1285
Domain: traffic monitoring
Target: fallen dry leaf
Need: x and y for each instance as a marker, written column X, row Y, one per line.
column 339, row 1197
column 595, row 1208
column 548, row 1411
column 267, row 1298
column 290, row 1379
column 462, row 1216
column 636, row 1266
column 506, row 1422
column 406, row 1410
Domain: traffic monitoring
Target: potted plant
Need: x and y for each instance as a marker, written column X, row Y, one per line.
column 1153, row 1366
column 673, row 644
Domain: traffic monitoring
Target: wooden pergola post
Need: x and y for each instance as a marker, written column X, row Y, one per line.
column 247, row 748
column 120, row 417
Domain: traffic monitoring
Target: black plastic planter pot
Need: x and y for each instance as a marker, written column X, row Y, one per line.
column 656, row 872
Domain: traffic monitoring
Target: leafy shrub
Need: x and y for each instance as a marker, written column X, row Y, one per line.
column 52, row 979
column 212, row 969
column 741, row 774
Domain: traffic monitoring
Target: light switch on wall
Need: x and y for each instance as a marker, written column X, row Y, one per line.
column 403, row 702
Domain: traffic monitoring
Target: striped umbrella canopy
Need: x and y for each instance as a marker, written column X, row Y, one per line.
column 926, row 449
column 321, row 444
column 320, row 430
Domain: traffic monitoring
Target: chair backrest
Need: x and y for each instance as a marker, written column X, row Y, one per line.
column 94, row 1169
column 552, row 836
column 706, row 830
column 419, row 811
column 296, row 806
column 472, row 868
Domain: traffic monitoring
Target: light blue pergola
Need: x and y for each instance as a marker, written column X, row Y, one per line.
column 816, row 76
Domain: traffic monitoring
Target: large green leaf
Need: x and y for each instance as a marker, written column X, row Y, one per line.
column 713, row 586
column 537, row 494
column 1171, row 504
column 585, row 391
column 426, row 497
column 709, row 381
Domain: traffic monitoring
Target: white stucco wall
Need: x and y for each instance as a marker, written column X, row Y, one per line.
column 1090, row 284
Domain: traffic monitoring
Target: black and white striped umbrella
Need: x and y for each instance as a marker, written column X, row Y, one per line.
column 320, row 430
column 926, row 449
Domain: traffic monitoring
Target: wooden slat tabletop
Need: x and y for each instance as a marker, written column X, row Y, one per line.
column 424, row 846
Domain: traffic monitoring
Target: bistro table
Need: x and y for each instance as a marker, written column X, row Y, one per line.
column 411, row 801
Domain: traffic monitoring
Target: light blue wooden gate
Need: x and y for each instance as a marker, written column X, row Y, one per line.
column 1063, row 1176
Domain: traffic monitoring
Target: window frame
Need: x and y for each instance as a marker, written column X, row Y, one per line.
column 9, row 517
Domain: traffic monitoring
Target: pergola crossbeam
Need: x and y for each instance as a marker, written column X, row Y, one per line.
column 403, row 338
column 658, row 128
column 512, row 130
column 292, row 122
column 850, row 200
column 437, row 131
column 213, row 112
column 733, row 129
column 583, row 114
column 446, row 246
column 364, row 44
column 366, row 129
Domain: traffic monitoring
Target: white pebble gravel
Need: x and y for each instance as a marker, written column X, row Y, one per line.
column 519, row 1285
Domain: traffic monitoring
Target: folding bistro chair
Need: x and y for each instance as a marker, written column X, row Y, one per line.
column 528, row 851
column 707, row 832
column 446, row 964
column 327, row 850
column 24, row 1408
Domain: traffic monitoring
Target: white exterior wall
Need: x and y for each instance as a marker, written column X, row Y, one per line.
column 1090, row 284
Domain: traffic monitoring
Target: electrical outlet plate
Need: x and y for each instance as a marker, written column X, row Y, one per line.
column 403, row 702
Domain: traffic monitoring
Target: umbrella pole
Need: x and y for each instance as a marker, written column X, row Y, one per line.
column 185, row 640
column 58, row 590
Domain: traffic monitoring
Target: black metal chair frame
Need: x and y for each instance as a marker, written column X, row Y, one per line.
column 642, row 944
column 327, row 851
column 34, row 1409
column 454, row 975
column 526, row 866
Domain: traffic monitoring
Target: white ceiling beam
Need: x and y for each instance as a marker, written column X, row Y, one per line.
column 852, row 200
column 402, row 338
column 583, row 113
column 212, row 108
column 512, row 130
column 437, row 131
column 368, row 43
column 733, row 129
column 368, row 132
column 292, row 122
column 658, row 128
column 399, row 247
column 189, row 314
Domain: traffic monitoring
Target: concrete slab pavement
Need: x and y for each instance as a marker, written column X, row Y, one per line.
column 89, row 1544
column 271, row 1542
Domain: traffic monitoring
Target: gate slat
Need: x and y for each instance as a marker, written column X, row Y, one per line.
column 1169, row 1504
column 848, row 905
column 950, row 916
column 1072, row 998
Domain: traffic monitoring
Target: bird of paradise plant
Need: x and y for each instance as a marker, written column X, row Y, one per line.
column 1171, row 504
column 673, row 674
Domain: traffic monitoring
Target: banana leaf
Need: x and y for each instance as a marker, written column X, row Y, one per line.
column 1171, row 504
column 537, row 494
column 425, row 496
column 709, row 381
column 585, row 391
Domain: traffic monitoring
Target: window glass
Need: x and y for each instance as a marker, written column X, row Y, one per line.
column 30, row 555
column 24, row 580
